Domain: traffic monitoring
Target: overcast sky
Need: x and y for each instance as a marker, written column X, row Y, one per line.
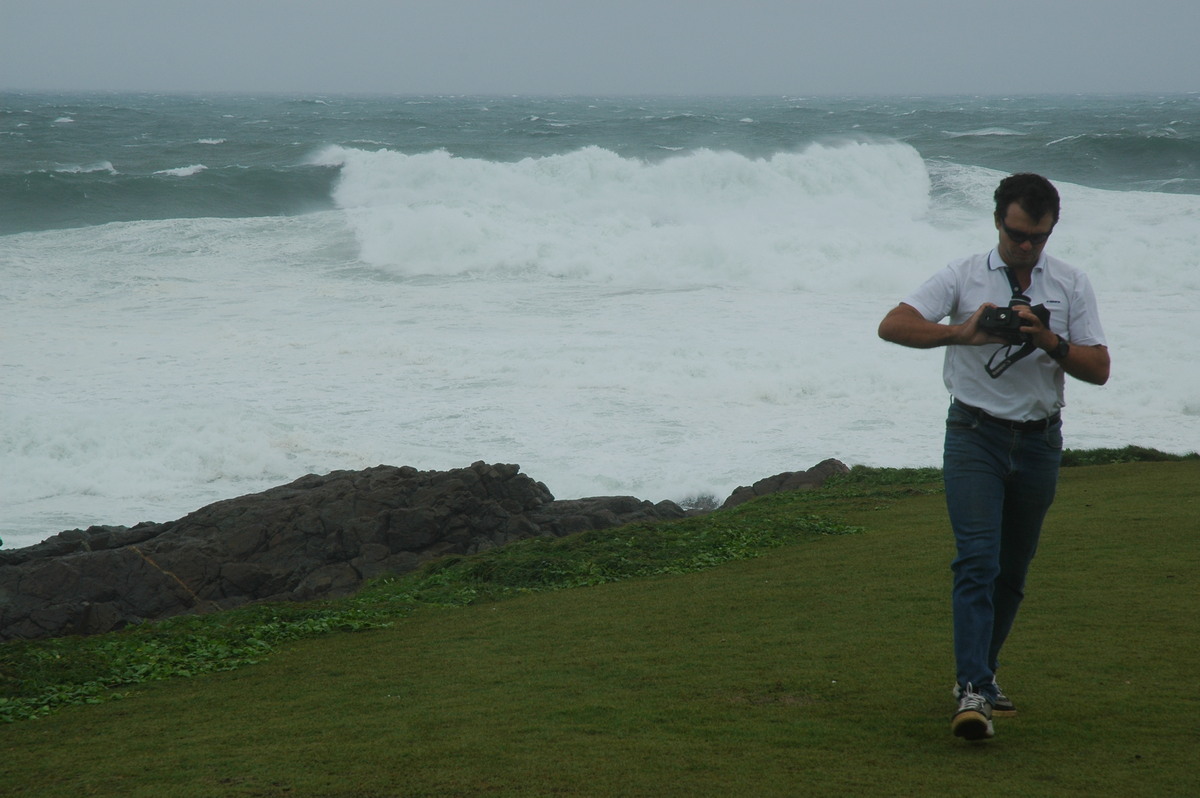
column 602, row 46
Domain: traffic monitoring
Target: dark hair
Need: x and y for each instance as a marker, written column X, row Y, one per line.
column 1035, row 194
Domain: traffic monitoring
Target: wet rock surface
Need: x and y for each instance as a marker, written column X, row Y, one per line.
column 319, row 536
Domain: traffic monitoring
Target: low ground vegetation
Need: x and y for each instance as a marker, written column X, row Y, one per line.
column 813, row 661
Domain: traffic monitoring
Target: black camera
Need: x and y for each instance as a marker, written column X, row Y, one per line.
column 1005, row 323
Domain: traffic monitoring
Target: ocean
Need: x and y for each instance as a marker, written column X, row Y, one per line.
column 207, row 296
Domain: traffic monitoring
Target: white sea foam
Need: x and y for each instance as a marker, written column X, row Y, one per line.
column 985, row 131
column 183, row 171
column 614, row 326
column 703, row 218
column 78, row 169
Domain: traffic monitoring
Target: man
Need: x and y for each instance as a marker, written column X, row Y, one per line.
column 1003, row 439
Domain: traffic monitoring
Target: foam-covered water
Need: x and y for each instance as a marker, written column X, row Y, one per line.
column 619, row 310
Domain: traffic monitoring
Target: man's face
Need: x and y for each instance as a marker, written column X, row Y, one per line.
column 1022, row 238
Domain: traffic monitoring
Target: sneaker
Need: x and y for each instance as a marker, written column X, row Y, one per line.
column 973, row 721
column 1002, row 706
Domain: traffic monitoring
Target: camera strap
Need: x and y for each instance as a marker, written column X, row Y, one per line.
column 995, row 369
column 1017, row 293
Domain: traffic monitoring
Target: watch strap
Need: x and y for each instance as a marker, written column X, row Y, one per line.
column 1060, row 351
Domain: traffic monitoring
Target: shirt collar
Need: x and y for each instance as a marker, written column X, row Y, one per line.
column 995, row 262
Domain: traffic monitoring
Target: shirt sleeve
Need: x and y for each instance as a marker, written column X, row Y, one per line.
column 937, row 297
column 1083, row 324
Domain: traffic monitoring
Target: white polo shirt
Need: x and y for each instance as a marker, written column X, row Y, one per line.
column 1032, row 388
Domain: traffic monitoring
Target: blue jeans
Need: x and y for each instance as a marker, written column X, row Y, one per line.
column 1000, row 483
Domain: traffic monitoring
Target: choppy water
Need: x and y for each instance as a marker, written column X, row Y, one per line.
column 205, row 297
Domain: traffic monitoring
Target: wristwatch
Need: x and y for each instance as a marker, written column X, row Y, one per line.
column 1060, row 351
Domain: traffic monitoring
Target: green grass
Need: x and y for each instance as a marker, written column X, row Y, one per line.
column 810, row 662
column 37, row 678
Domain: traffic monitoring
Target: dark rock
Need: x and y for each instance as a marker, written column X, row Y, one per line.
column 788, row 480
column 318, row 536
column 580, row 515
column 94, row 538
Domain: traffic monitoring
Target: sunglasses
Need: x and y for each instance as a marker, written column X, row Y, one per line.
column 1018, row 237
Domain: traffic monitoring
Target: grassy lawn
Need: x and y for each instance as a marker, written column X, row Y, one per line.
column 798, row 645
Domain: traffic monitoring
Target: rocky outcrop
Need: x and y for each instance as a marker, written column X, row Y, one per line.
column 316, row 537
column 788, row 480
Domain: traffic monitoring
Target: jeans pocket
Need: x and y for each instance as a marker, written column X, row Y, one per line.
column 1054, row 437
column 958, row 418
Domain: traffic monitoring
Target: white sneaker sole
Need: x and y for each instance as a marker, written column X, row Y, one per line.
column 972, row 726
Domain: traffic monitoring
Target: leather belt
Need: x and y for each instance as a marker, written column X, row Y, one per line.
column 1019, row 426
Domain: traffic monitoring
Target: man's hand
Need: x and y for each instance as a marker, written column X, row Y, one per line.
column 1041, row 335
column 976, row 335
column 905, row 325
column 1087, row 363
